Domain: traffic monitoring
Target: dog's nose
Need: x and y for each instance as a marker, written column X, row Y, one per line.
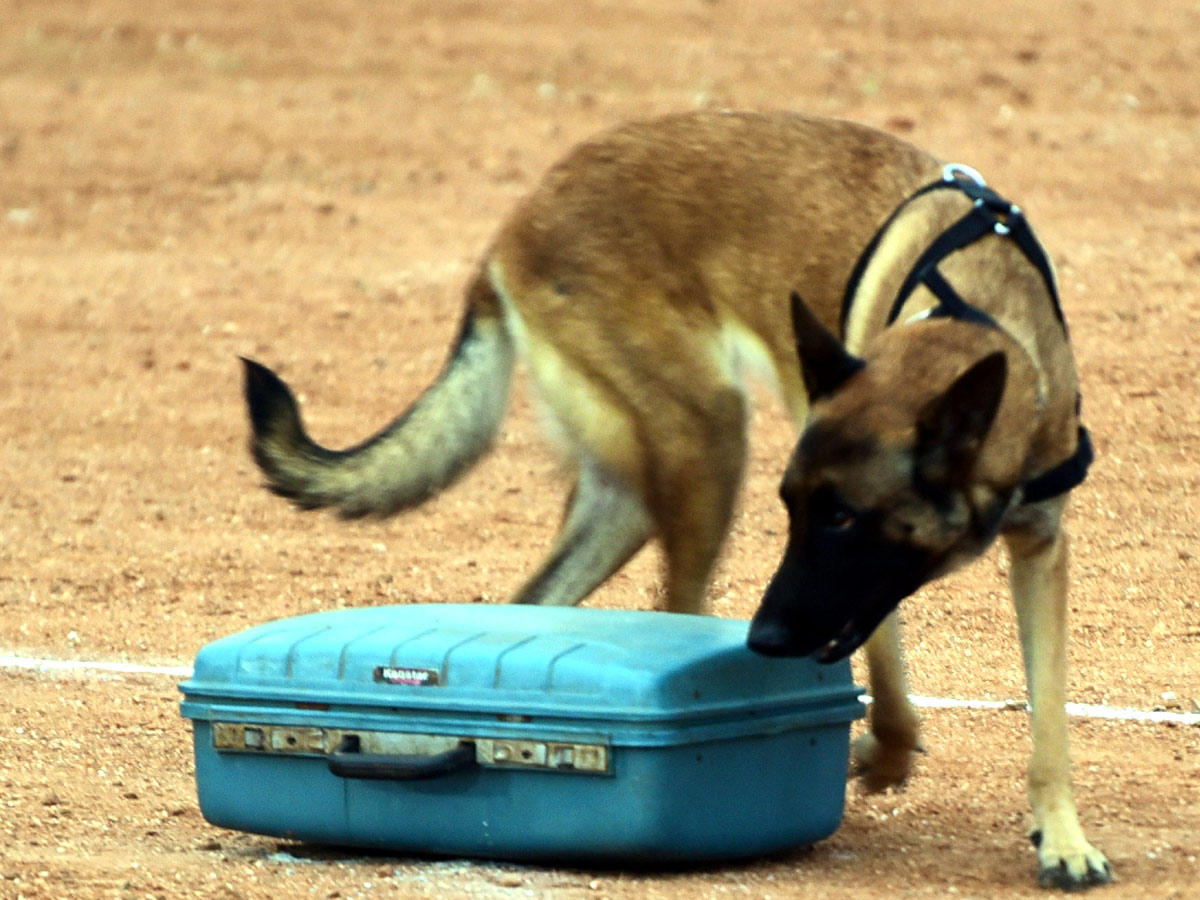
column 773, row 638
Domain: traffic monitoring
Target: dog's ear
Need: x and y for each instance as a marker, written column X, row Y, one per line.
column 952, row 427
column 824, row 362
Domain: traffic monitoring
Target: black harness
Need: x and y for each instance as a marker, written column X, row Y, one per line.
column 989, row 214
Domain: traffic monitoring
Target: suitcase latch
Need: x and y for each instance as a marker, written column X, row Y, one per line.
column 561, row 757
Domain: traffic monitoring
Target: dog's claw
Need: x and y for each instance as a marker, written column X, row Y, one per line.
column 1078, row 872
column 1061, row 876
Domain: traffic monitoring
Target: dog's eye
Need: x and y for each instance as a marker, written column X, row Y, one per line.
column 840, row 518
column 830, row 513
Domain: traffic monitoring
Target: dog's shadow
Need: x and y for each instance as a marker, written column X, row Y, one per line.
column 288, row 852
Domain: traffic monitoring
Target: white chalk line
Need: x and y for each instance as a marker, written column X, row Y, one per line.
column 79, row 665
column 1080, row 710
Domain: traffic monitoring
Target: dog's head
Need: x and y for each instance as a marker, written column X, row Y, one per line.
column 879, row 491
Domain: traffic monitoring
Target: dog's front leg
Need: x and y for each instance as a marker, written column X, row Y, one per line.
column 883, row 756
column 1038, row 578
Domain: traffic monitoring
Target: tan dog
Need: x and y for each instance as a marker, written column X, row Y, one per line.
column 641, row 281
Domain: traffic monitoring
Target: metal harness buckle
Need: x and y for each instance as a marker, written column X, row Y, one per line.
column 953, row 172
column 977, row 188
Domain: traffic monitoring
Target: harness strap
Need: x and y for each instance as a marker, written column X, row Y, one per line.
column 1068, row 474
column 951, row 305
column 967, row 230
column 864, row 258
column 990, row 214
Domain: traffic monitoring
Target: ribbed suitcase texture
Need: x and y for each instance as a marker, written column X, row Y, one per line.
column 519, row 732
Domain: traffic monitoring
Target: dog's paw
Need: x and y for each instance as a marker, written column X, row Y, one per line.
column 1070, row 865
column 879, row 766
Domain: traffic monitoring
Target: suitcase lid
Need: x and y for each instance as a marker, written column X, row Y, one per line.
column 642, row 674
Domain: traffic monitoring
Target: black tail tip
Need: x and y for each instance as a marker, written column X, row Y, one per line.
column 266, row 395
column 256, row 371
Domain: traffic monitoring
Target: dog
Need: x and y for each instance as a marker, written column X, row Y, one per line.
column 909, row 318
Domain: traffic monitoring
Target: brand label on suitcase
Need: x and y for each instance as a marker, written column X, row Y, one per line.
column 408, row 676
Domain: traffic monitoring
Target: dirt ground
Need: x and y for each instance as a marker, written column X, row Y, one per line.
column 309, row 183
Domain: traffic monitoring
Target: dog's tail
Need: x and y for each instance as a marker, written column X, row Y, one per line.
column 422, row 452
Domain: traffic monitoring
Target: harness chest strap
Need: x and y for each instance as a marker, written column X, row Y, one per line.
column 1068, row 474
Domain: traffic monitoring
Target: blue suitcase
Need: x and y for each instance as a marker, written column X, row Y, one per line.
column 521, row 733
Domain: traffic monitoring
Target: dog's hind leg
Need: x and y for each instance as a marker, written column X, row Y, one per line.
column 883, row 756
column 1038, row 577
column 604, row 526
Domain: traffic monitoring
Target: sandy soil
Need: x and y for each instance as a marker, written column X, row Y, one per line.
column 309, row 183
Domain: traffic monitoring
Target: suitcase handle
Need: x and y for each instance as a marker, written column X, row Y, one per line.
column 348, row 761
